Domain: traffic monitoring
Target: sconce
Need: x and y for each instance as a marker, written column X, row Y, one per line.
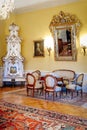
column 84, row 50
column 49, row 50
column 49, row 44
column 83, row 43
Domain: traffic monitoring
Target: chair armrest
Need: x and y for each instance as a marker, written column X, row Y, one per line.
column 79, row 83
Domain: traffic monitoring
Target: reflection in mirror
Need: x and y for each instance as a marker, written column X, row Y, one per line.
column 64, row 28
column 64, row 41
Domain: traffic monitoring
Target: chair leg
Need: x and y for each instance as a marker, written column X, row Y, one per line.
column 81, row 93
column 33, row 93
column 60, row 93
column 56, row 94
column 53, row 96
column 66, row 92
column 40, row 92
column 45, row 94
column 71, row 94
column 27, row 91
column 77, row 93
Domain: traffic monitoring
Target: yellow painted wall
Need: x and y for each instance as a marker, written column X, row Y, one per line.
column 2, row 40
column 9, row 21
column 35, row 26
column 4, row 31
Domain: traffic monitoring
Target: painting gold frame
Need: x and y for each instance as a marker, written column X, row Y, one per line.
column 39, row 48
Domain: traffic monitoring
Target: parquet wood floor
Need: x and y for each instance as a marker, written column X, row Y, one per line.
column 53, row 106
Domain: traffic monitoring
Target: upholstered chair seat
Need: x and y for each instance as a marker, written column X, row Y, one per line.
column 74, row 87
column 57, row 89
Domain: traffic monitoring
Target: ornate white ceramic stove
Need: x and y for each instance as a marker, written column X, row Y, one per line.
column 13, row 61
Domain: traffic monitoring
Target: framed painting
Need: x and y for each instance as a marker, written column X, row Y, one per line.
column 39, row 48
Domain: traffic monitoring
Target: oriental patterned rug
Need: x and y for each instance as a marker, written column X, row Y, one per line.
column 19, row 117
column 77, row 100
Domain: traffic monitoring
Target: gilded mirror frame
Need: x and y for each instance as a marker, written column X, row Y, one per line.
column 64, row 28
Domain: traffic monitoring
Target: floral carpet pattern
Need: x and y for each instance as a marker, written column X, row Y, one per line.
column 19, row 117
column 77, row 100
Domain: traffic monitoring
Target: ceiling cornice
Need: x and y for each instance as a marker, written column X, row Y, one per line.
column 32, row 5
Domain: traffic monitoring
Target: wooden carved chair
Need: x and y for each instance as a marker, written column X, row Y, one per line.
column 76, row 85
column 32, row 84
column 51, row 85
column 37, row 74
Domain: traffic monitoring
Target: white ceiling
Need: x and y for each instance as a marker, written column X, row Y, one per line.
column 30, row 5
